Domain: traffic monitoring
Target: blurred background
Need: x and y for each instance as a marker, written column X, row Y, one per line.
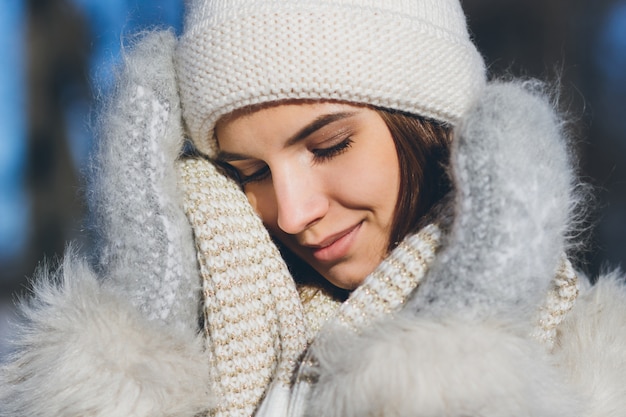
column 57, row 58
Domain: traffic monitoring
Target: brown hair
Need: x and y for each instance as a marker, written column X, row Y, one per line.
column 423, row 148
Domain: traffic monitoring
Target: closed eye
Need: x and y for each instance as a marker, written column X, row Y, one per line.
column 258, row 175
column 325, row 154
column 237, row 175
column 320, row 155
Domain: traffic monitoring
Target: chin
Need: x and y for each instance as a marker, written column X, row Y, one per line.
column 350, row 286
column 346, row 279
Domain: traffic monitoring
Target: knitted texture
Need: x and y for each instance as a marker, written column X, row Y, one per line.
column 560, row 300
column 414, row 56
column 387, row 288
column 145, row 241
column 384, row 290
column 514, row 193
column 319, row 306
column 253, row 317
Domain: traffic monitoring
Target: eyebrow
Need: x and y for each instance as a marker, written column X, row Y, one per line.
column 302, row 134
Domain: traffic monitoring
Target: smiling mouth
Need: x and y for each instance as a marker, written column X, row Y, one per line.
column 336, row 246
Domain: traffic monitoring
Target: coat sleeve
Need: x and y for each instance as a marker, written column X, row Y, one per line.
column 444, row 368
column 121, row 338
column 81, row 349
column 591, row 345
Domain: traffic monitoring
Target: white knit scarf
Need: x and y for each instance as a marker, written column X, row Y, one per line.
column 256, row 323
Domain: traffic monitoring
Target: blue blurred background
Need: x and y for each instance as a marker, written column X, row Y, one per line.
column 57, row 58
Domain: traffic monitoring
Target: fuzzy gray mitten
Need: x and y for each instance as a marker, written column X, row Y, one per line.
column 145, row 241
column 513, row 180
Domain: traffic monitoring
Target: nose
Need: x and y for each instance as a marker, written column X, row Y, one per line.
column 300, row 199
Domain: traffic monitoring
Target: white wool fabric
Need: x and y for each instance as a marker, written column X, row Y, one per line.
column 415, row 56
column 253, row 317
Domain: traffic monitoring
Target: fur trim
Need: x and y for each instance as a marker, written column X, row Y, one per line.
column 82, row 350
column 413, row 367
column 591, row 346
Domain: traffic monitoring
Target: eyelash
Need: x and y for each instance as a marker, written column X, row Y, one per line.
column 325, row 154
column 319, row 156
column 259, row 175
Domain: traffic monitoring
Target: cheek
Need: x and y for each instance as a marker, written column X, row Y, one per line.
column 262, row 200
column 372, row 179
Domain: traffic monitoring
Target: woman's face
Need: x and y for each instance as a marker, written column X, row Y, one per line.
column 324, row 177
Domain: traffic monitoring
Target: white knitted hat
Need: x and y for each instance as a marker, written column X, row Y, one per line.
column 411, row 55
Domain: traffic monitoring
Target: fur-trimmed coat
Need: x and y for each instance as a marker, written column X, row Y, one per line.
column 119, row 335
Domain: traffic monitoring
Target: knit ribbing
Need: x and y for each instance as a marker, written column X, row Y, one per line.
column 253, row 317
column 410, row 56
column 387, row 288
column 382, row 292
column 559, row 301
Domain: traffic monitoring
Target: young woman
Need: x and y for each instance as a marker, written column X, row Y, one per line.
column 322, row 208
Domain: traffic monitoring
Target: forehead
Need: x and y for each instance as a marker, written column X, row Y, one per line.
column 279, row 118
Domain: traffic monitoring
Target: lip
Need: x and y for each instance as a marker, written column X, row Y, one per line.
column 336, row 246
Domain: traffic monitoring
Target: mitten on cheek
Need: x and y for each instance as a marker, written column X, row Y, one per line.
column 145, row 241
column 513, row 181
